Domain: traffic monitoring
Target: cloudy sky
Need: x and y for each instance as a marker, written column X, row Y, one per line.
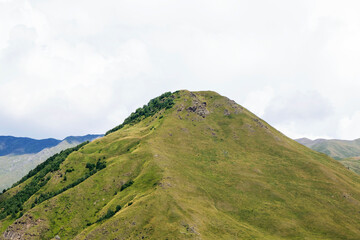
column 72, row 67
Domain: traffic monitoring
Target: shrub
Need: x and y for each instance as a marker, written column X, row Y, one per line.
column 109, row 213
column 126, row 185
column 100, row 165
column 90, row 166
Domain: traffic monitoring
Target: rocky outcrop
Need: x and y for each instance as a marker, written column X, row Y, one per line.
column 19, row 230
column 237, row 108
column 198, row 106
column 259, row 123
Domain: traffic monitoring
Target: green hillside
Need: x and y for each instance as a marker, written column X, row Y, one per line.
column 189, row 165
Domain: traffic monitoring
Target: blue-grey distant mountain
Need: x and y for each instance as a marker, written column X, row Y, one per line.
column 10, row 145
column 81, row 139
column 22, row 145
column 21, row 156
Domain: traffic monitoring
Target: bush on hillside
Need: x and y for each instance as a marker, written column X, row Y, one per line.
column 109, row 213
column 126, row 185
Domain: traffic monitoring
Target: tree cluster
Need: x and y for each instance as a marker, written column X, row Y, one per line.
column 165, row 101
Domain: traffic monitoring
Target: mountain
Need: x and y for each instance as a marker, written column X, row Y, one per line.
column 352, row 163
column 81, row 139
column 10, row 145
column 189, row 165
column 14, row 166
column 337, row 149
column 345, row 151
column 22, row 145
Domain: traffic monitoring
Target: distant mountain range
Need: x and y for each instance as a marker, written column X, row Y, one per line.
column 338, row 149
column 18, row 155
column 345, row 151
column 23, row 145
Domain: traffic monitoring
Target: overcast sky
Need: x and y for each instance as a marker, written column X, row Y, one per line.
column 70, row 67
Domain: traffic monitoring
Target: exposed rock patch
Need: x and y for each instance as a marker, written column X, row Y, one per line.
column 180, row 108
column 190, row 229
column 20, row 228
column 259, row 123
column 198, row 107
column 237, row 108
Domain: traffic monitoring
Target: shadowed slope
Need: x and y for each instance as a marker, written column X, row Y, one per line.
column 204, row 169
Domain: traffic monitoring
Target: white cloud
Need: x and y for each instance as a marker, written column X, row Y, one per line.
column 301, row 114
column 349, row 126
column 258, row 101
column 298, row 106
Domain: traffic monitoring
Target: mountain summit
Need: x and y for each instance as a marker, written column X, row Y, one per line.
column 189, row 165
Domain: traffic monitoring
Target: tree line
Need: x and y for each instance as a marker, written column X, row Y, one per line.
column 165, row 101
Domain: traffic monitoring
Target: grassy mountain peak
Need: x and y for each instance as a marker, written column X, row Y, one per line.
column 202, row 168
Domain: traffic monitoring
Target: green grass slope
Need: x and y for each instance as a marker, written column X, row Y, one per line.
column 204, row 168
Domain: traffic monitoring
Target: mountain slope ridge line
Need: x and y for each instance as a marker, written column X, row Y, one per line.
column 204, row 168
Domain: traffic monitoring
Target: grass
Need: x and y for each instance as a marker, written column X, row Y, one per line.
column 218, row 177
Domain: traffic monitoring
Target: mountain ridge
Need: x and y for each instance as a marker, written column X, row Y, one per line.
column 10, row 145
column 335, row 148
column 206, row 168
column 24, row 145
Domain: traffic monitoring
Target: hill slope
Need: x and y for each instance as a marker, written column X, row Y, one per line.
column 337, row 149
column 204, row 169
